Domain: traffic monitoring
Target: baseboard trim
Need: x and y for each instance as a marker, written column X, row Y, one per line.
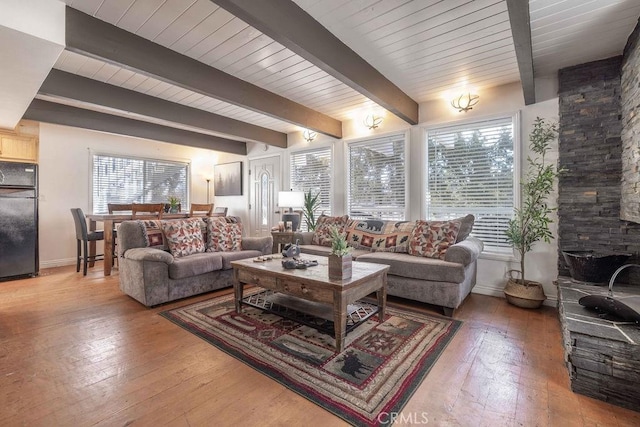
column 551, row 301
column 57, row 263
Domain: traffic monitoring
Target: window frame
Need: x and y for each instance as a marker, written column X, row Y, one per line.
column 185, row 162
column 347, row 170
column 332, row 173
column 491, row 252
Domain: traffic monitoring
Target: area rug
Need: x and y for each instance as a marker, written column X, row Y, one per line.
column 376, row 374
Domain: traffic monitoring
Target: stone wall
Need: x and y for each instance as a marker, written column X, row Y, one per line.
column 592, row 116
column 590, row 153
column 630, row 83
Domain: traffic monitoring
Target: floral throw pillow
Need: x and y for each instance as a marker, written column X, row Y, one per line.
column 431, row 239
column 223, row 236
column 322, row 235
column 183, row 236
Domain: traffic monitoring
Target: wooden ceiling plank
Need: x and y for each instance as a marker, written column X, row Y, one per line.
column 521, row 31
column 51, row 112
column 291, row 26
column 70, row 86
column 98, row 39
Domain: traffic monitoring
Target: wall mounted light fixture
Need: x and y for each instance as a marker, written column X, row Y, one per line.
column 465, row 102
column 309, row 135
column 372, row 121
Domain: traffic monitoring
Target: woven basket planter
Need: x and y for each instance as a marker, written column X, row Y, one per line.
column 530, row 295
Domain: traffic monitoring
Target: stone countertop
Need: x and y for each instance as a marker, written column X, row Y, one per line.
column 589, row 322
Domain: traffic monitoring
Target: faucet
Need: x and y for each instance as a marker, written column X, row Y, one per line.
column 615, row 274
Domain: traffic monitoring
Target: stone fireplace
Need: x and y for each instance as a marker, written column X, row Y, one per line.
column 599, row 210
column 594, row 102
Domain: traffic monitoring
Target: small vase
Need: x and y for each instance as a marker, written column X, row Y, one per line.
column 340, row 267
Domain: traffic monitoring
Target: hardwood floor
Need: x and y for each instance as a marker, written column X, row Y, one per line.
column 74, row 351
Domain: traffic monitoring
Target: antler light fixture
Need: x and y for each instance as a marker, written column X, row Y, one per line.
column 372, row 121
column 465, row 102
column 309, row 135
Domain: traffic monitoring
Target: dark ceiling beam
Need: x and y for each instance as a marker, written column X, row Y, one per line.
column 50, row 112
column 521, row 31
column 71, row 86
column 95, row 38
column 288, row 24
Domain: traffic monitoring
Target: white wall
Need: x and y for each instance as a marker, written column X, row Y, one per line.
column 65, row 176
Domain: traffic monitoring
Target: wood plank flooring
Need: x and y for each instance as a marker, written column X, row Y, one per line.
column 74, row 351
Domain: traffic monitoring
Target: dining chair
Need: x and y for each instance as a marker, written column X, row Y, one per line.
column 118, row 207
column 83, row 237
column 147, row 210
column 115, row 208
column 201, row 209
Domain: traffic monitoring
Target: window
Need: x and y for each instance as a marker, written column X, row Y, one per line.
column 311, row 170
column 376, row 178
column 127, row 180
column 470, row 169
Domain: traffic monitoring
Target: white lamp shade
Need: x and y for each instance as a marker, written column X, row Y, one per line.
column 291, row 199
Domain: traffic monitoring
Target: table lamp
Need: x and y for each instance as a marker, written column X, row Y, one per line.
column 290, row 200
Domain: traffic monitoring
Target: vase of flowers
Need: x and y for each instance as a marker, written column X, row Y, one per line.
column 340, row 259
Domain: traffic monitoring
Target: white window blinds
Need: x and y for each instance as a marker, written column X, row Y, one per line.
column 134, row 180
column 311, row 170
column 376, row 178
column 471, row 170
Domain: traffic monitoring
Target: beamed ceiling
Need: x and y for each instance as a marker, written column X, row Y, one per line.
column 217, row 74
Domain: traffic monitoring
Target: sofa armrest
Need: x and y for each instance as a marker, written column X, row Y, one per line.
column 262, row 244
column 149, row 254
column 303, row 237
column 465, row 252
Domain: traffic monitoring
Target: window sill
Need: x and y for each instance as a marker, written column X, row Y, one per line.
column 498, row 256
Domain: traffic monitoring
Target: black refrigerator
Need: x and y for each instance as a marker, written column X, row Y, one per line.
column 18, row 220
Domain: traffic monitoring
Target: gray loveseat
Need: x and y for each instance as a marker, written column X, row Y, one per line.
column 445, row 283
column 153, row 276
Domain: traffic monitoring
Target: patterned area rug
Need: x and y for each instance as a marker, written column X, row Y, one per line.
column 376, row 374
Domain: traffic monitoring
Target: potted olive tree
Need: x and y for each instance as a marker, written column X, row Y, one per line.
column 531, row 220
column 311, row 204
column 340, row 259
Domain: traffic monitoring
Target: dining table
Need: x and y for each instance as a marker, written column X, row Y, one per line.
column 109, row 221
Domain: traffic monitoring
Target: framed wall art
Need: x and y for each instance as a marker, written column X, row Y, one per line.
column 227, row 179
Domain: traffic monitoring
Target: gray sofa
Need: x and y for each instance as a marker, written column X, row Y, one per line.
column 445, row 283
column 153, row 276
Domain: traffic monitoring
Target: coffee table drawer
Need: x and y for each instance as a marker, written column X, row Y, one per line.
column 304, row 291
column 255, row 279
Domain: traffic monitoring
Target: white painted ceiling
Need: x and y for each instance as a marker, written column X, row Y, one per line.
column 425, row 47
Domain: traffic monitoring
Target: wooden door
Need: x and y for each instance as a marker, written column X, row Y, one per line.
column 264, row 178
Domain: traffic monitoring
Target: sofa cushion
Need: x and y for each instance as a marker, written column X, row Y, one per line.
column 466, row 226
column 154, row 235
column 227, row 257
column 405, row 265
column 223, row 236
column 379, row 235
column 432, row 238
column 326, row 251
column 321, row 236
column 194, row 265
column 183, row 236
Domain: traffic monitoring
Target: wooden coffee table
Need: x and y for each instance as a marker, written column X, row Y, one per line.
column 313, row 284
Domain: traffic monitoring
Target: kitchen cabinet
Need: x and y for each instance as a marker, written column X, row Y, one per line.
column 18, row 148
